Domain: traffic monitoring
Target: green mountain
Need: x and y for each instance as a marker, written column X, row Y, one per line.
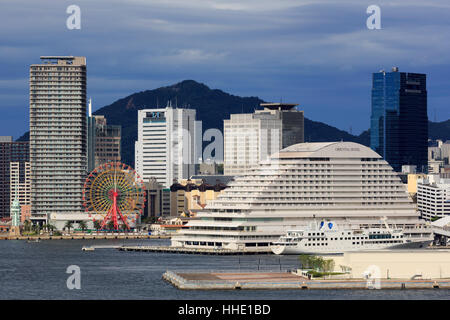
column 213, row 106
column 439, row 130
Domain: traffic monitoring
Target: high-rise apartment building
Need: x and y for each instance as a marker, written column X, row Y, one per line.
column 10, row 151
column 58, row 142
column 165, row 149
column 252, row 137
column 399, row 120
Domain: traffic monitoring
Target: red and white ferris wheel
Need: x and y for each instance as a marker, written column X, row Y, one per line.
column 114, row 192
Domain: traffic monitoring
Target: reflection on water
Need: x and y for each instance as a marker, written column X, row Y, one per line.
column 38, row 271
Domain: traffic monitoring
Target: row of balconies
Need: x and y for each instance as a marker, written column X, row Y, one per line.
column 311, row 206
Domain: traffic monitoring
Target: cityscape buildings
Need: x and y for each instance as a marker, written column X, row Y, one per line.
column 20, row 182
column 345, row 182
column 58, row 137
column 155, row 195
column 252, row 137
column 104, row 142
column 433, row 197
column 188, row 196
column 399, row 120
column 10, row 152
column 165, row 148
column 438, row 156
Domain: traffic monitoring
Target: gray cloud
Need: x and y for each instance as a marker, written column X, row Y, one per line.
column 317, row 53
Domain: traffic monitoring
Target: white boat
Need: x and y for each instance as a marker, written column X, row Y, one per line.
column 327, row 238
column 88, row 248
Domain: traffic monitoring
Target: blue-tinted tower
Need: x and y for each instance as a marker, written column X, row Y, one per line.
column 399, row 120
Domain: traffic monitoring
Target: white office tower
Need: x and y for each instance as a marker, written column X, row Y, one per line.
column 165, row 149
column 58, row 139
column 252, row 137
column 342, row 181
column 433, row 197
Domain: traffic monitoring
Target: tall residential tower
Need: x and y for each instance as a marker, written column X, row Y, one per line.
column 57, row 135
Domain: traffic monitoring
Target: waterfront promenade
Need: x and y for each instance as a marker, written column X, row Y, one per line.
column 84, row 237
column 287, row 280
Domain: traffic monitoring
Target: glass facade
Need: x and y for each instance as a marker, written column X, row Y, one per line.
column 399, row 120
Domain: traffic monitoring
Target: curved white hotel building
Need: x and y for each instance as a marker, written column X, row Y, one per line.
column 343, row 181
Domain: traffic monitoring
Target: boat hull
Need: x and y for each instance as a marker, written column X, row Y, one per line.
column 286, row 250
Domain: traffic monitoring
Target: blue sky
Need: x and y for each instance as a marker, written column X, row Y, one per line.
column 317, row 53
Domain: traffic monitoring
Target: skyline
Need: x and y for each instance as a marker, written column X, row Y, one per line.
column 319, row 54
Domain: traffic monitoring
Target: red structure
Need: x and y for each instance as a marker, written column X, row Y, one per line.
column 116, row 193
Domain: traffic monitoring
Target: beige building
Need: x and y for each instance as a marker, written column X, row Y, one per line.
column 20, row 182
column 395, row 264
column 252, row 137
column 191, row 195
column 412, row 182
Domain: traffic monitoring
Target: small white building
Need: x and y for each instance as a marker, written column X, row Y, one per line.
column 433, row 197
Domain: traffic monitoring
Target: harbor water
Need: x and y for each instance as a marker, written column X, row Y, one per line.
column 38, row 271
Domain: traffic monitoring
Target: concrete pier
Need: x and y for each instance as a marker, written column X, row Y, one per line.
column 278, row 280
column 169, row 249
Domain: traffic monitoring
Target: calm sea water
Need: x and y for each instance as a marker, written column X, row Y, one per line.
column 38, row 271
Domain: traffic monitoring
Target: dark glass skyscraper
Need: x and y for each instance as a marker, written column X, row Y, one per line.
column 399, row 120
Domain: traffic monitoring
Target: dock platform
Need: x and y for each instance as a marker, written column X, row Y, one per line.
column 169, row 249
column 285, row 280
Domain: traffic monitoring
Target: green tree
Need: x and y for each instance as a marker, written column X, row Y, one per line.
column 328, row 265
column 27, row 225
column 316, row 263
column 35, row 228
column 68, row 225
column 82, row 225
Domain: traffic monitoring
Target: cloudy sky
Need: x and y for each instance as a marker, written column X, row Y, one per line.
column 318, row 53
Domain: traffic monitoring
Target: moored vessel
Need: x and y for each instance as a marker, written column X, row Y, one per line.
column 327, row 238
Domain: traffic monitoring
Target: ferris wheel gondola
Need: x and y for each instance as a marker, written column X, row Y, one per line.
column 114, row 192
